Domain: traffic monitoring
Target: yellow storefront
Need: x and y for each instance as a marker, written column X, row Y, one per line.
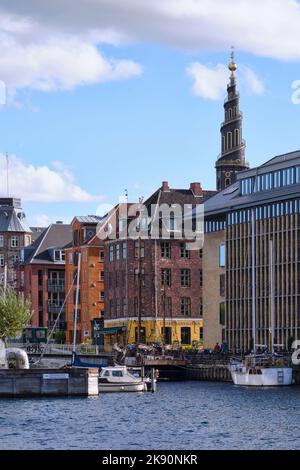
column 183, row 333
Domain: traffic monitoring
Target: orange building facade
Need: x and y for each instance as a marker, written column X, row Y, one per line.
column 91, row 281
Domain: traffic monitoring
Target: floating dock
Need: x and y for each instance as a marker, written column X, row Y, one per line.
column 71, row 382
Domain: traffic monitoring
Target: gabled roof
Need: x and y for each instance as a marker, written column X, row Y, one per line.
column 56, row 236
column 177, row 196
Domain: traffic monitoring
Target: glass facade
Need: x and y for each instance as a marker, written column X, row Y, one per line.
column 264, row 212
column 211, row 226
column 272, row 180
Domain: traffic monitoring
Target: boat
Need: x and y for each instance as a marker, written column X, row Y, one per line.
column 119, row 379
column 261, row 371
column 267, row 369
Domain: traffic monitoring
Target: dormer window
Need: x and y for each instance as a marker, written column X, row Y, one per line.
column 59, row 255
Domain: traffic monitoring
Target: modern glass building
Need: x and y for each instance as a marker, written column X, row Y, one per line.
column 257, row 221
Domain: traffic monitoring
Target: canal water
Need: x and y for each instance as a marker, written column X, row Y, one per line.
column 189, row 415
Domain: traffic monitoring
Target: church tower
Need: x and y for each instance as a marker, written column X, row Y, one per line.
column 232, row 158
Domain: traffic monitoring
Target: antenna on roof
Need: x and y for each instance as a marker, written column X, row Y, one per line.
column 7, row 174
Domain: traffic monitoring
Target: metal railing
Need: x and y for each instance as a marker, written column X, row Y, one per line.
column 55, row 348
column 56, row 286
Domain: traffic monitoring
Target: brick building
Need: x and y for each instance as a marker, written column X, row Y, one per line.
column 161, row 274
column 91, row 290
column 41, row 275
column 15, row 234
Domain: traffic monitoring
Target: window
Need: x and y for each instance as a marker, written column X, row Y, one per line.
column 185, row 336
column 222, row 314
column 70, row 258
column 111, row 307
column 15, row 259
column 186, row 307
column 166, row 280
column 165, row 248
column 111, row 253
column 1, row 259
column 222, row 256
column 168, row 306
column 200, row 277
column 201, row 309
column 184, row 252
column 136, row 248
column 136, row 276
column 118, row 251
column 201, row 334
column 229, row 140
column 15, row 242
column 117, row 373
column 185, row 277
column 59, row 255
column 168, row 335
column 237, row 137
column 101, row 276
column 101, row 255
column 124, row 250
column 222, row 285
column 1, row 241
column 201, row 254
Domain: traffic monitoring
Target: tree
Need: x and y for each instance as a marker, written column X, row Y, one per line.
column 15, row 313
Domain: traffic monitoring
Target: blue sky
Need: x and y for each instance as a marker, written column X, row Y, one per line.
column 136, row 131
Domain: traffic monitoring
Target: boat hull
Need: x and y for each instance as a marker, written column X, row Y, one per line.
column 272, row 377
column 122, row 387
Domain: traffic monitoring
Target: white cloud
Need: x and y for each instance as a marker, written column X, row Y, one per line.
column 54, row 45
column 33, row 56
column 209, row 82
column 41, row 183
column 263, row 27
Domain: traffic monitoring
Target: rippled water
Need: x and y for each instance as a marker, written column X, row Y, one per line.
column 190, row 415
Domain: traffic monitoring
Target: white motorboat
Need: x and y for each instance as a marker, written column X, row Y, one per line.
column 118, row 379
column 257, row 371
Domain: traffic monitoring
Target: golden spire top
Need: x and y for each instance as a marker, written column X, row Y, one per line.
column 232, row 66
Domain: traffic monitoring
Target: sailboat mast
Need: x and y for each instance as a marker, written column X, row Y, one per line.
column 139, row 289
column 76, row 308
column 253, row 281
column 272, row 329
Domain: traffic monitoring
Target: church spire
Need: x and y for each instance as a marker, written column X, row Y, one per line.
column 232, row 158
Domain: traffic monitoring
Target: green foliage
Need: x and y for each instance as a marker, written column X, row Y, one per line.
column 60, row 336
column 15, row 313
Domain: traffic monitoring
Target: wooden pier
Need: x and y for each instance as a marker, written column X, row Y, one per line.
column 69, row 382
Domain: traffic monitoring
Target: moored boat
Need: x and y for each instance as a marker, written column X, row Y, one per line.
column 261, row 371
column 119, row 379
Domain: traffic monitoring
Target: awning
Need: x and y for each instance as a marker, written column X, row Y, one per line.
column 112, row 330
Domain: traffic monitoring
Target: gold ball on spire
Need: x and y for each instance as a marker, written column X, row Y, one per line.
column 232, row 67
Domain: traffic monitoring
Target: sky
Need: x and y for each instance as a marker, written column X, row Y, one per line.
column 99, row 96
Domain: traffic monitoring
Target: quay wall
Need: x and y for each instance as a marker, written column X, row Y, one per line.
column 208, row 373
column 48, row 382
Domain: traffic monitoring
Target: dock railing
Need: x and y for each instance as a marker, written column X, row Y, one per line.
column 53, row 348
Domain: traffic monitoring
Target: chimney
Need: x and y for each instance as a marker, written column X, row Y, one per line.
column 196, row 189
column 165, row 186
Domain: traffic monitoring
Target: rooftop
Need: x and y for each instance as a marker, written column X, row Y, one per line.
column 56, row 236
